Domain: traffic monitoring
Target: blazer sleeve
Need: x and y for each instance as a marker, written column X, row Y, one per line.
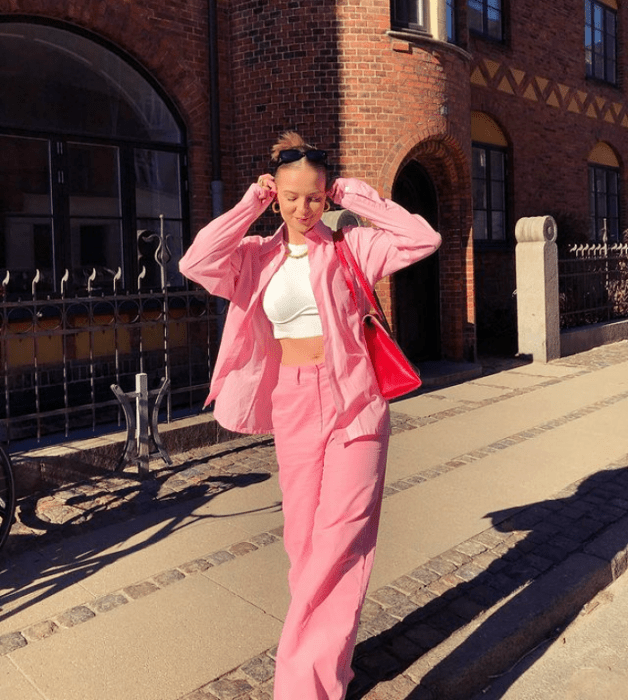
column 397, row 238
column 215, row 257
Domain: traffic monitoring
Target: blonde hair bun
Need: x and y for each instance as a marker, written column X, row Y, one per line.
column 289, row 139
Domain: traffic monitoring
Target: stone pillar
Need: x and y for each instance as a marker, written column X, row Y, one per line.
column 538, row 314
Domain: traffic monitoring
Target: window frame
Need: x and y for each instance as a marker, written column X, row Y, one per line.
column 484, row 32
column 489, row 148
column 126, row 146
column 595, row 220
column 64, row 242
column 591, row 63
column 451, row 17
column 399, row 13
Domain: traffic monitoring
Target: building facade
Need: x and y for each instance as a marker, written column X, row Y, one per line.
column 128, row 125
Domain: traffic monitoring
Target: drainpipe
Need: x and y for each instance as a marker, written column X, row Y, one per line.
column 217, row 185
column 214, row 114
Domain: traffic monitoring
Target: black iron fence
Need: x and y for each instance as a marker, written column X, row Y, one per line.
column 60, row 356
column 593, row 284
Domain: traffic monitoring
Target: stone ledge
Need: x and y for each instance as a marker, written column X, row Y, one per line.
column 77, row 460
column 583, row 338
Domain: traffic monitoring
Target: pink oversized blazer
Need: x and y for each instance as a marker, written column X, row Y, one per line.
column 238, row 268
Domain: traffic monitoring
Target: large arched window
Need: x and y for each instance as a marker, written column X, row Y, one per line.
column 91, row 166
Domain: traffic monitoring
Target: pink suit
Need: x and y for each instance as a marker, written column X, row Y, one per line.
column 330, row 422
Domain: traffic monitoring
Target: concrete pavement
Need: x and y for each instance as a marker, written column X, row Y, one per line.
column 505, row 513
column 586, row 661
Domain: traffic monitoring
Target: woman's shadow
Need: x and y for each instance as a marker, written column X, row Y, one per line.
column 452, row 664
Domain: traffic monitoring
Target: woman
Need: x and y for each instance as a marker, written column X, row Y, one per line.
column 293, row 362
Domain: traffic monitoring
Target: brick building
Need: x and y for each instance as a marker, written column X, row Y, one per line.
column 118, row 117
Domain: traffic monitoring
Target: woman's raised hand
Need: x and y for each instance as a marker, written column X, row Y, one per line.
column 267, row 183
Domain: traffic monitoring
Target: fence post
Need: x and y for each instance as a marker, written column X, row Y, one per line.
column 538, row 312
column 141, row 425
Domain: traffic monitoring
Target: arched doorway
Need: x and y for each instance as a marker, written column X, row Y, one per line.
column 417, row 296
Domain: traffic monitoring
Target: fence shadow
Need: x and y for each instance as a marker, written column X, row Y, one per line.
column 554, row 529
column 113, row 523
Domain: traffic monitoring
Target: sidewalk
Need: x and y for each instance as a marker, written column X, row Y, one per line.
column 505, row 512
column 589, row 660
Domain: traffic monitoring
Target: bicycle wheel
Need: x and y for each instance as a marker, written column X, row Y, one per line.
column 7, row 496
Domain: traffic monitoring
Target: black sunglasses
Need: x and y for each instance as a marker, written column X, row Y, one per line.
column 291, row 155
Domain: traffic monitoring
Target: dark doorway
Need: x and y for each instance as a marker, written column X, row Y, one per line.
column 417, row 295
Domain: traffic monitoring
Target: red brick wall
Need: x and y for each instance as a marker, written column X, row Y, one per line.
column 329, row 70
column 549, row 141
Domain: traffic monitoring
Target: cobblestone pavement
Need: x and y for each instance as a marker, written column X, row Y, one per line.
column 401, row 621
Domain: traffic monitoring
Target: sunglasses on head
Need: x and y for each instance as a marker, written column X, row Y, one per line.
column 291, row 155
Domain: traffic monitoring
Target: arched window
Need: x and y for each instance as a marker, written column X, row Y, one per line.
column 604, row 172
column 91, row 166
column 489, row 179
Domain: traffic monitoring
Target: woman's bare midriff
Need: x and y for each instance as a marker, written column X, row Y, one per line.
column 302, row 351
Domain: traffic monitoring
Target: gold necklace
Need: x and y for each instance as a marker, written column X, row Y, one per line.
column 297, row 256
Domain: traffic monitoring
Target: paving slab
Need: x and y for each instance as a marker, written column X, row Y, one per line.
column 550, row 369
column 472, row 392
column 14, row 685
column 157, row 648
column 426, row 405
column 511, row 380
column 260, row 578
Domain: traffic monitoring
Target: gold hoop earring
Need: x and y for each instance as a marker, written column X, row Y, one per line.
column 275, row 207
column 327, row 206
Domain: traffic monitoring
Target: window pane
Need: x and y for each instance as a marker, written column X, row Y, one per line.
column 475, row 15
column 497, row 195
column 451, row 21
column 494, row 18
column 598, row 17
column 479, row 194
column 24, row 176
column 612, row 182
column 96, row 245
column 613, row 229
column 610, row 23
column 480, row 231
column 26, row 245
column 610, row 71
column 157, row 179
column 498, row 228
column 497, row 165
column 94, row 180
column 588, row 13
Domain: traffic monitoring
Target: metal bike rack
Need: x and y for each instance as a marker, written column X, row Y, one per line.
column 141, row 423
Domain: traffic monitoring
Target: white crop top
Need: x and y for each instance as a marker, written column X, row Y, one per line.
column 289, row 300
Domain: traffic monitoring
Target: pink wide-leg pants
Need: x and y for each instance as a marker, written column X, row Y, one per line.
column 332, row 494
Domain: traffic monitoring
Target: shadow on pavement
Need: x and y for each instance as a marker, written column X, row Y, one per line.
column 542, row 536
column 107, row 521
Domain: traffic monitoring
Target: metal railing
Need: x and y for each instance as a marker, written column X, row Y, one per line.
column 593, row 284
column 60, row 356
